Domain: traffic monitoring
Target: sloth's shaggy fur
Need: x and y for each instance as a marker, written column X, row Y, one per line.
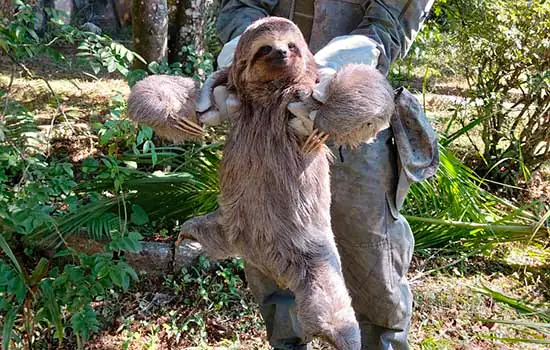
column 274, row 205
column 275, row 200
column 160, row 101
column 359, row 105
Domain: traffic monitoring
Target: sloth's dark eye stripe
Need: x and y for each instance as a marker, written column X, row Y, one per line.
column 262, row 51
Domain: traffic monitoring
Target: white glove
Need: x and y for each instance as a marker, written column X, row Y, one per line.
column 340, row 51
column 225, row 103
column 337, row 53
column 225, row 58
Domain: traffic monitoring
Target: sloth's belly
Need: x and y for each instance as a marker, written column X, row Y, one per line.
column 278, row 203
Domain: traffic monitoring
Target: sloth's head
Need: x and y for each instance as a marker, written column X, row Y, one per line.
column 271, row 55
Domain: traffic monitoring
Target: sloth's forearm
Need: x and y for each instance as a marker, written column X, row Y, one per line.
column 359, row 105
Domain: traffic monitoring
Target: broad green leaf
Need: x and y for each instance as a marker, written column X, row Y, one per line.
column 96, row 66
column 139, row 216
column 85, row 322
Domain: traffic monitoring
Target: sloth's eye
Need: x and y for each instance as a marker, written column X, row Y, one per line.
column 264, row 50
column 292, row 47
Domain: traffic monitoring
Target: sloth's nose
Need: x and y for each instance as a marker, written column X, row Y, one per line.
column 281, row 53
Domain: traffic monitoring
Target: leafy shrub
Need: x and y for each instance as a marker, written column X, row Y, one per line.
column 47, row 295
column 101, row 52
column 35, row 294
column 501, row 49
column 54, row 300
column 211, row 288
column 510, row 80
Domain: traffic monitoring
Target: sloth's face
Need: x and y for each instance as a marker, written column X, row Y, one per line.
column 271, row 50
column 276, row 57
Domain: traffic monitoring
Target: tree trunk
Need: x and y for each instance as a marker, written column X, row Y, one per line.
column 6, row 9
column 150, row 27
column 178, row 23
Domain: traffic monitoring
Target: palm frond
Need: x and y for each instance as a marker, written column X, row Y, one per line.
column 454, row 210
column 191, row 191
column 534, row 317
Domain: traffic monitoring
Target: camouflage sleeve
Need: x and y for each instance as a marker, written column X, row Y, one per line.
column 236, row 15
column 393, row 25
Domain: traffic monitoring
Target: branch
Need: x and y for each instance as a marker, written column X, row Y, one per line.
column 8, row 92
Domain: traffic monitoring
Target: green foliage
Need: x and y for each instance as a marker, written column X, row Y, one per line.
column 32, row 189
column 49, row 297
column 196, row 65
column 500, row 48
column 18, row 37
column 534, row 324
column 455, row 211
column 103, row 196
column 31, row 32
column 510, row 79
column 155, row 197
column 215, row 290
column 52, row 293
column 210, row 288
column 101, row 52
column 28, row 183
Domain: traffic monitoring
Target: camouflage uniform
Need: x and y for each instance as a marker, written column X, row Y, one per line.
column 369, row 183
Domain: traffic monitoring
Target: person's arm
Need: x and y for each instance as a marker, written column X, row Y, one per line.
column 236, row 15
column 393, row 25
column 385, row 34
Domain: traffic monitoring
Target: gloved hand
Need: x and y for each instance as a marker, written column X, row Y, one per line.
column 224, row 102
column 339, row 52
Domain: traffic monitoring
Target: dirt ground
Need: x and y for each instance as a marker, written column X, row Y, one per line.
column 165, row 313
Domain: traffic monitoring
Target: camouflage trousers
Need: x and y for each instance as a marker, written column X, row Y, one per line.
column 375, row 245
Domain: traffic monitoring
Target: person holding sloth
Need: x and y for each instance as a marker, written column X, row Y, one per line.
column 368, row 182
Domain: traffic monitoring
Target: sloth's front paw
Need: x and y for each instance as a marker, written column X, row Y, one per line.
column 315, row 141
column 187, row 126
column 303, row 111
column 301, row 126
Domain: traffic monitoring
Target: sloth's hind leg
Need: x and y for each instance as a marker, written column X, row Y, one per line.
column 209, row 233
column 324, row 306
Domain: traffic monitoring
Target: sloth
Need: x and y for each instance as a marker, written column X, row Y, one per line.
column 167, row 104
column 274, row 203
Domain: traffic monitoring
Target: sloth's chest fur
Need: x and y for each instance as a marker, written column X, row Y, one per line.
column 269, row 189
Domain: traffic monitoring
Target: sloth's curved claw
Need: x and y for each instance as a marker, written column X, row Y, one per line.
column 182, row 237
column 314, row 141
column 187, row 126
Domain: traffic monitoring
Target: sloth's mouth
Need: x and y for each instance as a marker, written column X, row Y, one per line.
column 280, row 61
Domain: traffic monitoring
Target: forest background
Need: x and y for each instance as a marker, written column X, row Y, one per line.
column 90, row 203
